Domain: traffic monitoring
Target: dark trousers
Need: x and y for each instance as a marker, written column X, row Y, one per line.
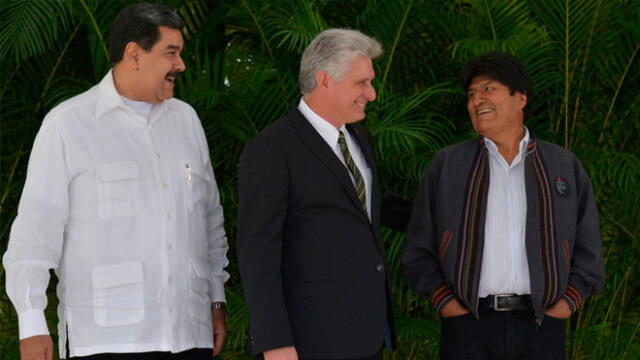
column 503, row 335
column 376, row 356
column 193, row 354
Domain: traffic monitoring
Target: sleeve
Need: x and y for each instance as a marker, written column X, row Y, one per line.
column 586, row 276
column 263, row 196
column 218, row 246
column 420, row 265
column 35, row 242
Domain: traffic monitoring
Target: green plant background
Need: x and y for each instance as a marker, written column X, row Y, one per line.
column 242, row 62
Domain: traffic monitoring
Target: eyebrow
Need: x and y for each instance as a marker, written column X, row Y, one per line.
column 173, row 47
column 481, row 85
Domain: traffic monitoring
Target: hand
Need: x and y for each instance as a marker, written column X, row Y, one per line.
column 560, row 310
column 454, row 308
column 283, row 353
column 39, row 347
column 218, row 318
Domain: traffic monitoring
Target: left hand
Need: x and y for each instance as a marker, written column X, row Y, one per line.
column 218, row 317
column 560, row 310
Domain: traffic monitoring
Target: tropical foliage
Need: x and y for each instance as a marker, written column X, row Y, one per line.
column 242, row 58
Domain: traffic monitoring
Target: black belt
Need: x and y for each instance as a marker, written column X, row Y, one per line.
column 506, row 302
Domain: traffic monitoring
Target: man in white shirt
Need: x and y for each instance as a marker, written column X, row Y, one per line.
column 121, row 201
column 504, row 236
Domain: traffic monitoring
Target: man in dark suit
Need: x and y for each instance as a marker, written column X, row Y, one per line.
column 309, row 244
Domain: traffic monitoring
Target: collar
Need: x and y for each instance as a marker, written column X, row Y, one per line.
column 109, row 98
column 328, row 132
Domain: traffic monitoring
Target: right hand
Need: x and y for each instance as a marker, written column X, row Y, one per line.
column 283, row 353
column 39, row 347
column 454, row 308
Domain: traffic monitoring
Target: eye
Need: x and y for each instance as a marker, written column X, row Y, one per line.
column 470, row 94
column 488, row 88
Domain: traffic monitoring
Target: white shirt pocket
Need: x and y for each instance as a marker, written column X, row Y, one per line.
column 118, row 294
column 198, row 180
column 118, row 189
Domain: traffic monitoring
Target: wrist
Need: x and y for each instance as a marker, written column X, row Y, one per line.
column 220, row 306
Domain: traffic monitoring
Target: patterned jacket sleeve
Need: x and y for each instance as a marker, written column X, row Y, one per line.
column 420, row 265
column 586, row 276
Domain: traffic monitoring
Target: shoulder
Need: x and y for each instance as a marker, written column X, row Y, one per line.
column 556, row 155
column 273, row 139
column 458, row 152
column 279, row 131
column 78, row 106
column 558, row 160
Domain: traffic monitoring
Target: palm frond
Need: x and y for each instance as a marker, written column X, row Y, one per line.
column 31, row 27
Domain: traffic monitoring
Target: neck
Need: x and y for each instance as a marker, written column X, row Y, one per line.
column 125, row 84
column 316, row 103
column 509, row 144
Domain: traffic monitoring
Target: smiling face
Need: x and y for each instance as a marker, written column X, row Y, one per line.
column 158, row 68
column 493, row 110
column 348, row 97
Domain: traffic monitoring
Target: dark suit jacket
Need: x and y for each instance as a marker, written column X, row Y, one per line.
column 312, row 264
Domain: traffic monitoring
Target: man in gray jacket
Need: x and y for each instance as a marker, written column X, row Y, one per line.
column 504, row 237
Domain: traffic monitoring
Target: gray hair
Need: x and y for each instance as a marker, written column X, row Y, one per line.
column 333, row 50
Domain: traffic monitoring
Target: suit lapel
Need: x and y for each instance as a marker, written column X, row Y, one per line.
column 323, row 152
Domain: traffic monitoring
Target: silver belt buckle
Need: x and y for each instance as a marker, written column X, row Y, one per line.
column 495, row 301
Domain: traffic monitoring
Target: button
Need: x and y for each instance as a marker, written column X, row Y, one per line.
column 158, row 154
column 168, row 216
column 164, row 185
column 169, row 247
column 379, row 267
column 170, row 310
column 170, row 279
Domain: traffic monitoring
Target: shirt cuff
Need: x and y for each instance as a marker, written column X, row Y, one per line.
column 32, row 323
column 441, row 297
column 217, row 292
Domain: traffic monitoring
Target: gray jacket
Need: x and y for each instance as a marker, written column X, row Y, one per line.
column 443, row 251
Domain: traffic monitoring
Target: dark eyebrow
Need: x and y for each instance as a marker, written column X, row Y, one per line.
column 481, row 85
column 173, row 47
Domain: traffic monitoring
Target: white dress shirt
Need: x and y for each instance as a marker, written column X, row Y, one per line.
column 330, row 135
column 505, row 269
column 127, row 212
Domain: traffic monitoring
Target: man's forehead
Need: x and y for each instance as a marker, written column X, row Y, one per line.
column 170, row 38
column 482, row 80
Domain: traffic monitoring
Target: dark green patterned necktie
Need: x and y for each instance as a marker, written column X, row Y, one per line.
column 351, row 165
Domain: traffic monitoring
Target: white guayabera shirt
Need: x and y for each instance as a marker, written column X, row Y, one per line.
column 127, row 212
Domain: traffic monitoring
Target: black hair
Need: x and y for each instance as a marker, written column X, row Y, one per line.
column 139, row 22
column 506, row 69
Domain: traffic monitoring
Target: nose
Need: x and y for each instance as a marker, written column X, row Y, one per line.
column 370, row 93
column 179, row 66
column 477, row 99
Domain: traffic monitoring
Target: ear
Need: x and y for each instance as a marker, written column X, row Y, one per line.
column 523, row 100
column 322, row 79
column 131, row 56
